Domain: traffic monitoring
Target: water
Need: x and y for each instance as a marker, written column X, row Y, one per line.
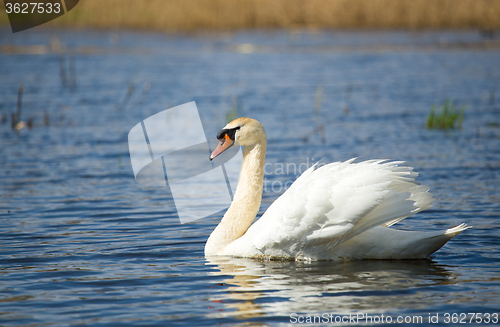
column 83, row 244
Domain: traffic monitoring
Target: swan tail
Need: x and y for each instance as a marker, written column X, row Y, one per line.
column 433, row 243
column 456, row 230
column 388, row 243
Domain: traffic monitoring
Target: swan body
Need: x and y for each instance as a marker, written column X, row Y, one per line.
column 340, row 211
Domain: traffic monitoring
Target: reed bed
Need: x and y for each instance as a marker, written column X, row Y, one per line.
column 192, row 15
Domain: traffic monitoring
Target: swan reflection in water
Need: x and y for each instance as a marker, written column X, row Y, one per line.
column 254, row 288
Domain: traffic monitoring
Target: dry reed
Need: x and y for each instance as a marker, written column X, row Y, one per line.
column 191, row 15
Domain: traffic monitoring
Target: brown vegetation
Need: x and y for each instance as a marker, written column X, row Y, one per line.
column 189, row 15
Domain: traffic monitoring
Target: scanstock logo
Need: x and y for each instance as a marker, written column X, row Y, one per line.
column 170, row 148
column 25, row 14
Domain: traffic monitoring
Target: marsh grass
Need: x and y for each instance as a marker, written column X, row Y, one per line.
column 192, row 15
column 446, row 117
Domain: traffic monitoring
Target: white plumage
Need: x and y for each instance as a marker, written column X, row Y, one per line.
column 342, row 210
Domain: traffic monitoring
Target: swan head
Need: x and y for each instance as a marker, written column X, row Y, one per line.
column 241, row 131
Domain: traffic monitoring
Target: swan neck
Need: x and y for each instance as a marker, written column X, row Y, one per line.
column 251, row 179
column 246, row 201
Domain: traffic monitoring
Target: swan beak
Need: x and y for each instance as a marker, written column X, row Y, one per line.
column 223, row 145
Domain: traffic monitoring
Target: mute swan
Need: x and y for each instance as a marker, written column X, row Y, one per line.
column 340, row 211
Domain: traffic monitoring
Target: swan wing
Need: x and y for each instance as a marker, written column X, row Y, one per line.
column 329, row 205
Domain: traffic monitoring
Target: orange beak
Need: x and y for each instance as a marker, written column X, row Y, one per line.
column 223, row 145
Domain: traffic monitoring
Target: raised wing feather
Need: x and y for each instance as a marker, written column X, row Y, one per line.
column 331, row 204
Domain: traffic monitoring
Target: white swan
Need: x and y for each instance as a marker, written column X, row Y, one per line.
column 340, row 211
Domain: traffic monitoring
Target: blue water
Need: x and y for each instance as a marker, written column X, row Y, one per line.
column 82, row 243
